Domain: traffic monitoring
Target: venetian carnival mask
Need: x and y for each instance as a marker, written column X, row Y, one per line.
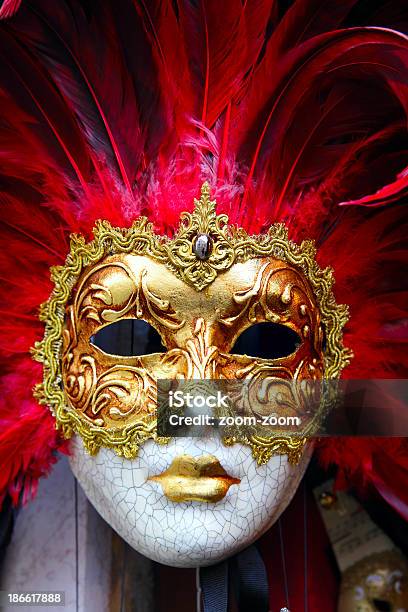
column 211, row 303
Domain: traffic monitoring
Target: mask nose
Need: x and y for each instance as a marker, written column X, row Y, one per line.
column 201, row 354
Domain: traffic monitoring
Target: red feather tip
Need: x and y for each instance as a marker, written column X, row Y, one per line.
column 9, row 8
column 116, row 109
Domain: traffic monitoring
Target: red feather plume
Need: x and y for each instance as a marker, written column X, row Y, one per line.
column 115, row 109
column 9, row 8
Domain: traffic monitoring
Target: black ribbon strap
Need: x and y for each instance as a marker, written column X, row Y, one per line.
column 248, row 578
column 214, row 585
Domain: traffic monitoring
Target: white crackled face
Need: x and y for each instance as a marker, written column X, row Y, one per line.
column 192, row 533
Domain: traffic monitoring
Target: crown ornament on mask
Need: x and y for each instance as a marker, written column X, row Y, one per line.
column 199, row 289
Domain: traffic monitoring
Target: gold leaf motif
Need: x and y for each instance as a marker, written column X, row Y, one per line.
column 230, row 245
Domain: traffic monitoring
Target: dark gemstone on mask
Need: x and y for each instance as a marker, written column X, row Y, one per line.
column 202, row 246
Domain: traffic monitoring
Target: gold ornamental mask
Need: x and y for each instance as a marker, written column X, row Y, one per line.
column 199, row 292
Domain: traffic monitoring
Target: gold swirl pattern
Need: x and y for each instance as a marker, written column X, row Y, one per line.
column 199, row 306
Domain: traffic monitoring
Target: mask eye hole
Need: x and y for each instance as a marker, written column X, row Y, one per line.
column 267, row 341
column 128, row 338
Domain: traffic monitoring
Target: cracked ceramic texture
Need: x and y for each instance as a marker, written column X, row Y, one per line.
column 186, row 534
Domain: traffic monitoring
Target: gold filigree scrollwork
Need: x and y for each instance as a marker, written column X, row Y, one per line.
column 137, row 292
column 265, row 448
column 203, row 220
column 230, row 245
column 91, row 393
column 199, row 358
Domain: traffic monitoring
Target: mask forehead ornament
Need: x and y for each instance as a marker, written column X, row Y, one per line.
column 200, row 290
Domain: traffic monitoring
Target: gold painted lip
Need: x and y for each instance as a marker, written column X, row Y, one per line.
column 195, row 479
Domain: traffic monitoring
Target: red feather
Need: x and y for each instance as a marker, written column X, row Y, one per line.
column 389, row 193
column 9, row 8
column 28, row 438
column 49, row 105
column 224, row 51
column 381, row 51
column 369, row 462
column 92, row 77
column 115, row 109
